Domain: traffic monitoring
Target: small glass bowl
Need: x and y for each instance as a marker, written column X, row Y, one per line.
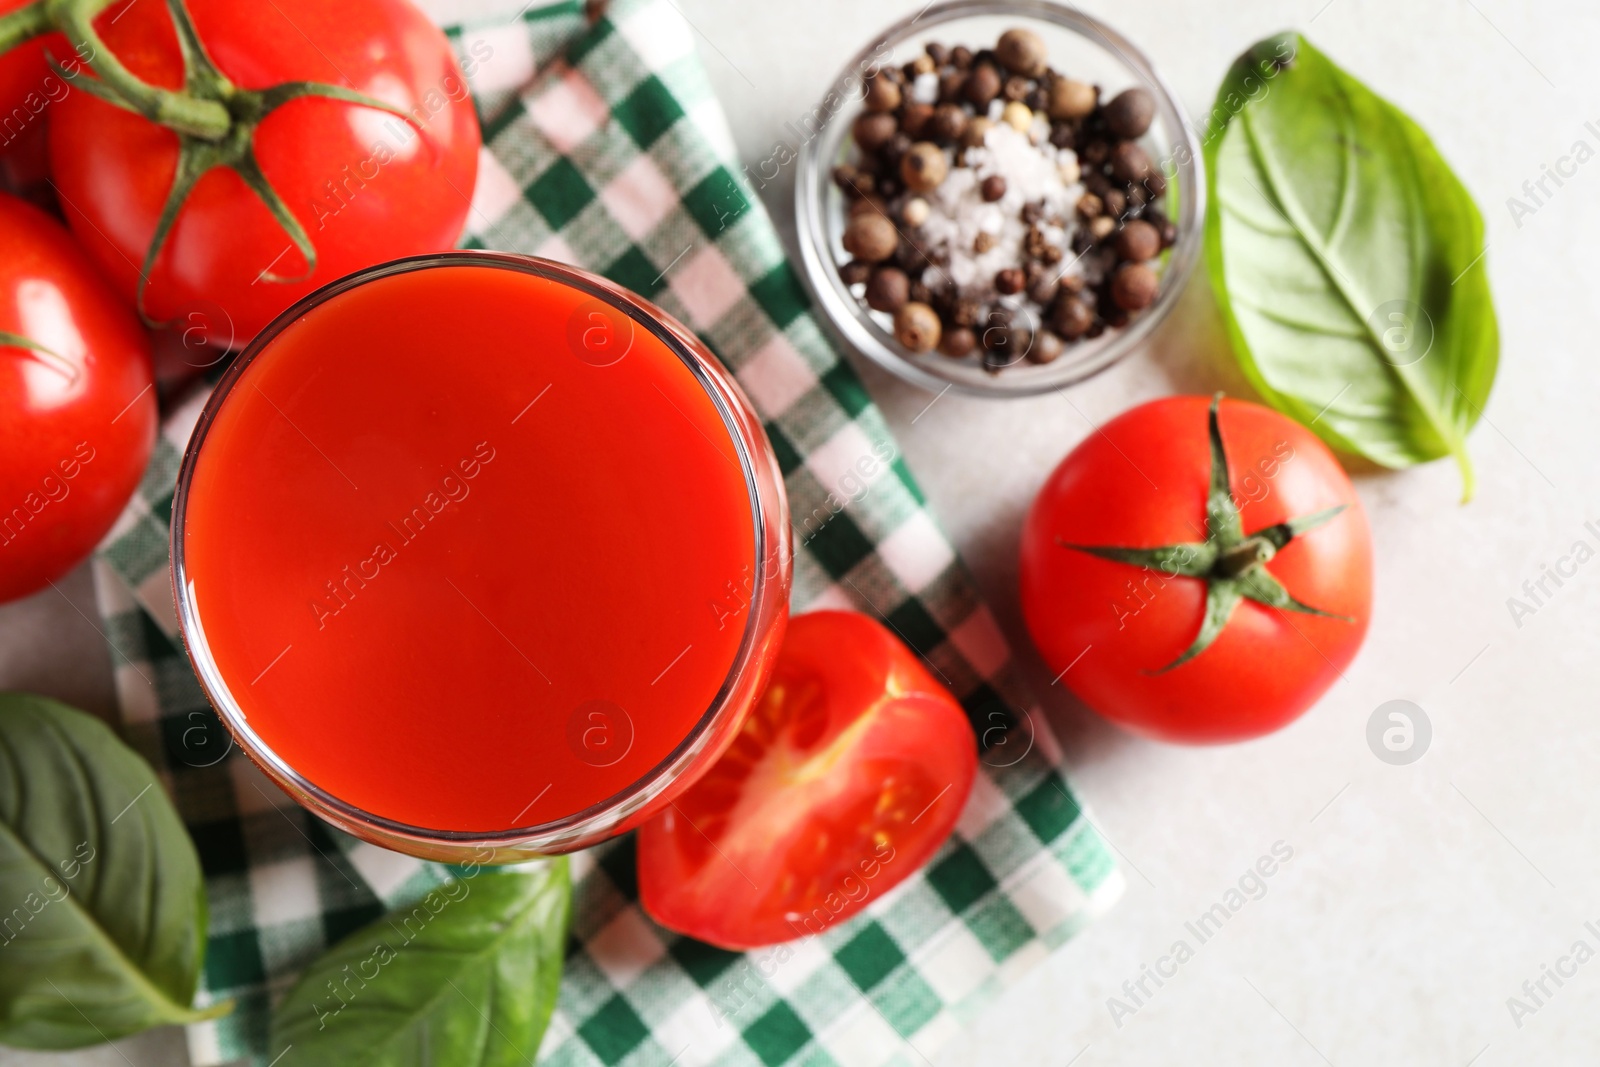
column 1080, row 47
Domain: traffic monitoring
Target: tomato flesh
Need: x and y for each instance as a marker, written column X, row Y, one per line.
column 848, row 775
column 1107, row 628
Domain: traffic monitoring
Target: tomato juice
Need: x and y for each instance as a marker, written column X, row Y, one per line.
column 477, row 545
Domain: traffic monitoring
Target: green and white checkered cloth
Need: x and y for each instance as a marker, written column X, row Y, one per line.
column 604, row 147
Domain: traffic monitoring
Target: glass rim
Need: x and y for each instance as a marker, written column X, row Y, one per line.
column 852, row 321
column 596, row 820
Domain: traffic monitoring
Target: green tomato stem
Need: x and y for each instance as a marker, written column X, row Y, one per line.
column 206, row 119
column 23, row 25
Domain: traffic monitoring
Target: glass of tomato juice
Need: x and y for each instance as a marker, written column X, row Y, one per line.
column 478, row 554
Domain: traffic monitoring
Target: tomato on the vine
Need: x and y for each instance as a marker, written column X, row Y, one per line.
column 79, row 407
column 848, row 775
column 342, row 134
column 1198, row 571
column 23, row 71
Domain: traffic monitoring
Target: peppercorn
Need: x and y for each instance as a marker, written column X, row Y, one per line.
column 1070, row 317
column 882, row 95
column 1043, row 288
column 1016, row 88
column 1063, row 136
column 888, row 289
column 993, row 188
column 873, row 129
column 911, row 256
column 915, row 211
column 949, row 122
column 1022, row 52
column 1130, row 112
column 984, row 242
column 1094, row 152
column 914, row 119
column 1115, row 201
column 1138, row 241
column 937, row 52
column 965, row 312
column 1038, row 99
column 1047, row 348
column 848, row 178
column 924, row 167
column 1070, row 99
column 855, row 272
column 1129, row 162
column 1017, row 116
column 958, row 341
column 951, row 82
column 961, row 57
column 919, row 292
column 870, row 204
column 889, row 155
column 916, row 326
column 871, row 238
column 977, row 128
column 983, row 84
column 1009, row 281
column 1090, row 206
column 1134, row 287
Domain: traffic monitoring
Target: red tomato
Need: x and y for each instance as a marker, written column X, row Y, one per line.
column 25, row 89
column 1116, row 628
column 362, row 182
column 848, row 775
column 76, row 423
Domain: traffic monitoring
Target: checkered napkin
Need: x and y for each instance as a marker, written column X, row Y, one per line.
column 604, row 147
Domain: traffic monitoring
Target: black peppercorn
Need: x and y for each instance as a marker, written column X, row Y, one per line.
column 1130, row 112
column 914, row 117
column 1009, row 281
column 958, row 341
column 983, row 84
column 1134, row 287
column 855, row 272
column 1129, row 162
column 993, row 188
column 1138, row 241
column 1070, row 317
column 888, row 289
column 873, row 129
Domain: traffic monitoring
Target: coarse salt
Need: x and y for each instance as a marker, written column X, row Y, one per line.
column 1033, row 173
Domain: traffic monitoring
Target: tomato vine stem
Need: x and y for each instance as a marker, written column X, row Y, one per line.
column 195, row 116
column 214, row 119
column 23, row 25
column 1233, row 564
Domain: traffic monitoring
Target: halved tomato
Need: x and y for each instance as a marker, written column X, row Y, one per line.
column 848, row 775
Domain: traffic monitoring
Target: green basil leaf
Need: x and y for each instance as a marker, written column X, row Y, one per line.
column 102, row 909
column 1348, row 260
column 467, row 976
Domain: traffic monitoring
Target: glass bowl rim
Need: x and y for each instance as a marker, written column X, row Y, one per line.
column 590, row 824
column 850, row 320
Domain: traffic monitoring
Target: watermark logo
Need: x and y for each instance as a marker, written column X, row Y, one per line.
column 600, row 732
column 598, row 333
column 1404, row 330
column 1399, row 732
